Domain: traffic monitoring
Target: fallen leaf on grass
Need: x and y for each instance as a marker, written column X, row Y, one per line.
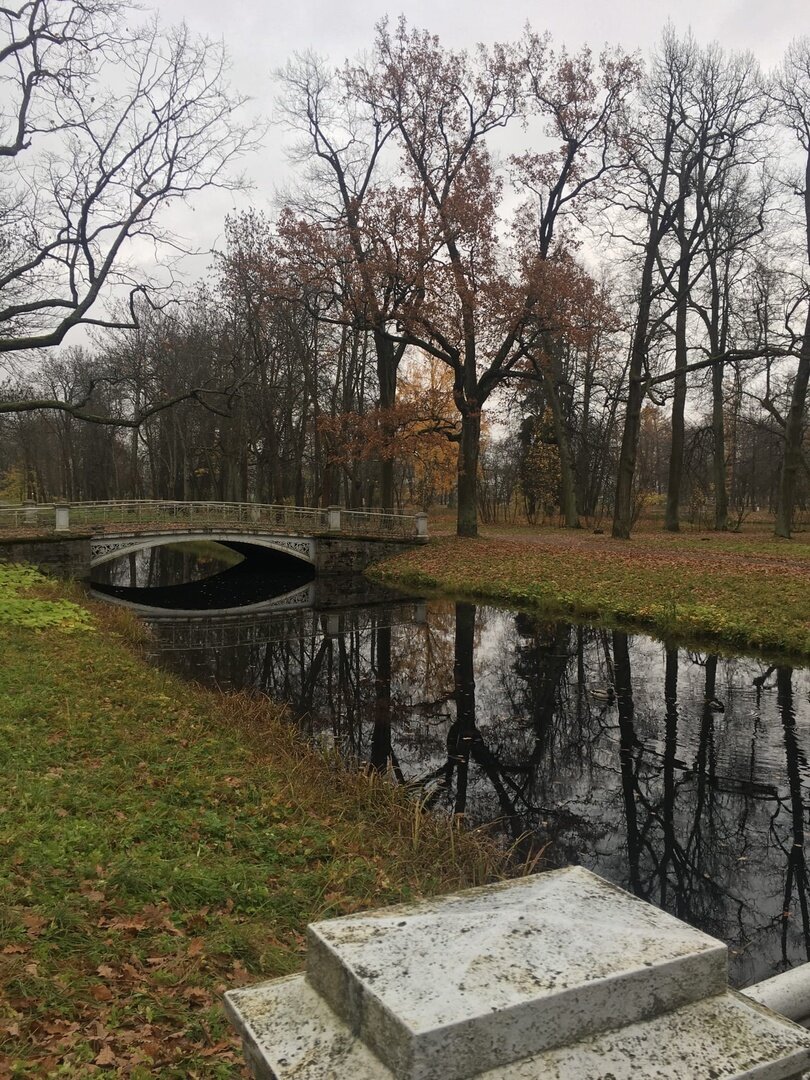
column 60, row 1027
column 195, row 946
column 105, row 1057
column 123, row 922
column 197, row 995
column 219, row 1048
column 34, row 923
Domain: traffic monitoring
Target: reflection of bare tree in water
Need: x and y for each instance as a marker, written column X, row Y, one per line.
column 678, row 855
column 567, row 733
column 465, row 742
column 796, row 877
column 629, row 759
column 382, row 757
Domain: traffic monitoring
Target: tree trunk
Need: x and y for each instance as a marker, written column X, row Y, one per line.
column 568, row 489
column 388, row 357
column 794, row 428
column 623, row 508
column 672, row 516
column 719, row 450
column 794, row 431
column 468, row 449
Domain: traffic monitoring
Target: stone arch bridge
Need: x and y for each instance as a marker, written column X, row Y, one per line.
column 77, row 537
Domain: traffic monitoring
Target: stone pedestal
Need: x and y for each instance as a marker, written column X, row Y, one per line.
column 62, row 518
column 559, row 976
column 333, row 519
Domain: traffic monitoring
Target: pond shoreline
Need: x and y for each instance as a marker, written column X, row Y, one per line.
column 693, row 590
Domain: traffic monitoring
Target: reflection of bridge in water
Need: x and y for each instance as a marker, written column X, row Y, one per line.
column 181, row 632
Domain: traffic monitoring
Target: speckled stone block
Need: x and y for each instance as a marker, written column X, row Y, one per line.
column 560, row 976
column 726, row 1037
column 492, row 975
column 290, row 1033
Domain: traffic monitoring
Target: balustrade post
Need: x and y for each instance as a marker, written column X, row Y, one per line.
column 62, row 515
column 333, row 519
column 421, row 525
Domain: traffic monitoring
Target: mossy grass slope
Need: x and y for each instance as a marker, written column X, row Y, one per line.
column 748, row 592
column 160, row 843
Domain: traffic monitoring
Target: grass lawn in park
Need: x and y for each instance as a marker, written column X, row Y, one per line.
column 743, row 590
column 160, row 843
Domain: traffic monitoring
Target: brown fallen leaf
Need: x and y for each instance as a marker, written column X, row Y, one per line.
column 124, row 923
column 34, row 923
column 197, row 995
column 218, row 1048
column 105, row 1056
column 195, row 946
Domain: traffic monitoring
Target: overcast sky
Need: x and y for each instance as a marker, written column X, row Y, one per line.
column 261, row 35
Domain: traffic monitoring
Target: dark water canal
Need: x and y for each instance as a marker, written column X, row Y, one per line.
column 679, row 774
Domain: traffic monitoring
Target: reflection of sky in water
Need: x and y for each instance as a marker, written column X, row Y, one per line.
column 694, row 808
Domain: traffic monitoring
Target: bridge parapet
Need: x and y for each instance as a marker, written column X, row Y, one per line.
column 99, row 518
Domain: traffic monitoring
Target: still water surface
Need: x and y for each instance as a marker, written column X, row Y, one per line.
column 678, row 774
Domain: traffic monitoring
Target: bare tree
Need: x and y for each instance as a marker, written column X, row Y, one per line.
column 104, row 127
column 722, row 108
column 792, row 94
column 343, row 137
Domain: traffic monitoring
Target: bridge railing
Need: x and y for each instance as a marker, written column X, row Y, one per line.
column 198, row 514
column 121, row 514
column 32, row 516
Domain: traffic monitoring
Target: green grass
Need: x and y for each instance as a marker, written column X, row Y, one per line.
column 748, row 592
column 160, row 843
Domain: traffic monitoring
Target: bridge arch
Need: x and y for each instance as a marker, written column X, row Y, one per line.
column 105, row 548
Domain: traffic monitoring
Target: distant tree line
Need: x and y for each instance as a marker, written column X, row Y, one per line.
column 518, row 279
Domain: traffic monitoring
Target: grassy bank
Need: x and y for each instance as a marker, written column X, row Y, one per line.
column 745, row 591
column 160, row 843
